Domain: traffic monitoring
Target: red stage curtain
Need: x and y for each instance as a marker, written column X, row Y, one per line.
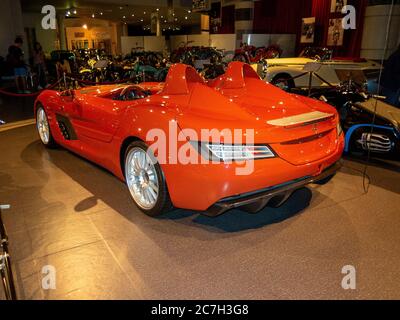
column 227, row 19
column 285, row 16
column 280, row 16
column 352, row 38
column 352, row 43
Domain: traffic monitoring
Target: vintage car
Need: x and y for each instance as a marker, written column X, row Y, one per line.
column 295, row 140
column 288, row 73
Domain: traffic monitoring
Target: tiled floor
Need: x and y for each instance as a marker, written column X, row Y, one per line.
column 75, row 216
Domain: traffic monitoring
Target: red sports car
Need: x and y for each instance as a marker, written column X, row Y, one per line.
column 235, row 141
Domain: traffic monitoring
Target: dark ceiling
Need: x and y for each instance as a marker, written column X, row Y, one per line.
column 128, row 11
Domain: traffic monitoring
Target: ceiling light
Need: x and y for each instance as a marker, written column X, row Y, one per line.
column 92, row 15
column 133, row 15
column 75, row 12
column 186, row 18
column 84, row 26
column 157, row 9
column 123, row 17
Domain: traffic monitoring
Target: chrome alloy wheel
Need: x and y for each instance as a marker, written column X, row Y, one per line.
column 141, row 178
column 43, row 126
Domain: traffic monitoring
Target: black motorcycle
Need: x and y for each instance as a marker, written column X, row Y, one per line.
column 370, row 124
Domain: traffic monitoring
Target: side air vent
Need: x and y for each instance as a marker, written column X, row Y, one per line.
column 66, row 128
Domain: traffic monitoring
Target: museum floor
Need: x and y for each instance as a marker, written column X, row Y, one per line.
column 71, row 214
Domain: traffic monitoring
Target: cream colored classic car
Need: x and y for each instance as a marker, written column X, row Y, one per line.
column 287, row 73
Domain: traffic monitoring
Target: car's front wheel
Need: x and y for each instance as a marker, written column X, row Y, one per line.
column 146, row 181
column 43, row 128
column 284, row 82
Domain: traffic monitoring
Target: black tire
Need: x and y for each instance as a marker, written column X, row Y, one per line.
column 324, row 180
column 163, row 203
column 50, row 143
column 283, row 81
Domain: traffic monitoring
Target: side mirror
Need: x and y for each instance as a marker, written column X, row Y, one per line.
column 68, row 95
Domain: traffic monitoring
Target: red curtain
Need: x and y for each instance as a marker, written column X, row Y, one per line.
column 280, row 16
column 352, row 38
column 227, row 19
column 352, row 43
column 285, row 16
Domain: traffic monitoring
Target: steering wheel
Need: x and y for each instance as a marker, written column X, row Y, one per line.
column 138, row 93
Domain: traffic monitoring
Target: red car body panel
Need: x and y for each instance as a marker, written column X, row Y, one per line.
column 236, row 100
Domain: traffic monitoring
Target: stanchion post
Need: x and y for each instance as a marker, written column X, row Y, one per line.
column 65, row 81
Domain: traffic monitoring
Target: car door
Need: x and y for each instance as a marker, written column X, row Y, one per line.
column 96, row 118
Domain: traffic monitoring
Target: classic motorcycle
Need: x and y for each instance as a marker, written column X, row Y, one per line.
column 370, row 124
column 251, row 54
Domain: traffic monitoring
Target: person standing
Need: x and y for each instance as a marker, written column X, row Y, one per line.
column 15, row 59
column 39, row 63
column 391, row 79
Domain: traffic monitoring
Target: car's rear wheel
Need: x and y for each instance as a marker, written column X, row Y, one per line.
column 146, row 181
column 43, row 128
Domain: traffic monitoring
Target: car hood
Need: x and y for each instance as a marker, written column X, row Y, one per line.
column 349, row 63
column 288, row 61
